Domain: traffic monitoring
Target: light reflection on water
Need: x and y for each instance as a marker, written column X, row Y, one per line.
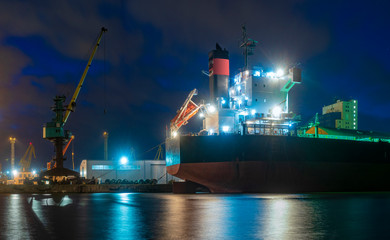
column 17, row 219
column 202, row 216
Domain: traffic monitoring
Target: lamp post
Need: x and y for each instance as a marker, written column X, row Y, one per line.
column 105, row 135
column 12, row 141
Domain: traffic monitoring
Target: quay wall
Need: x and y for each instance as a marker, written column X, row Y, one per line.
column 87, row 188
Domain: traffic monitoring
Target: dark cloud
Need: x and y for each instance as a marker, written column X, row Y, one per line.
column 12, row 61
column 279, row 26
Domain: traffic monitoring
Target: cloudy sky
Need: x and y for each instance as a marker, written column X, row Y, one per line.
column 154, row 52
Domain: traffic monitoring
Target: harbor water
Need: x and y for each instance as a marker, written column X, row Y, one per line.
column 195, row 216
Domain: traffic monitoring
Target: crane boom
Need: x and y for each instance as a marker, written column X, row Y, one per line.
column 76, row 93
column 187, row 111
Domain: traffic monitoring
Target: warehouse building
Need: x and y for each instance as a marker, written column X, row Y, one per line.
column 129, row 170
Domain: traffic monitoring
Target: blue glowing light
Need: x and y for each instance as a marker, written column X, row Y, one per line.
column 237, row 79
column 270, row 74
column 124, row 160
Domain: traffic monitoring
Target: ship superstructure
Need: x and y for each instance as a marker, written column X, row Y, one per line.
column 253, row 101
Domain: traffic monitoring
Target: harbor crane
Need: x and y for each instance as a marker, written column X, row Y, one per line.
column 54, row 130
column 25, row 162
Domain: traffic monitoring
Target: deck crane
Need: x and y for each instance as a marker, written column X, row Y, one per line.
column 25, row 162
column 187, row 111
column 54, row 130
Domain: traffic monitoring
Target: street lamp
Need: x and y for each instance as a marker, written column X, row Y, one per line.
column 12, row 141
column 105, row 135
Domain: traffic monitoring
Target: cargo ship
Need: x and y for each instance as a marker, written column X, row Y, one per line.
column 251, row 142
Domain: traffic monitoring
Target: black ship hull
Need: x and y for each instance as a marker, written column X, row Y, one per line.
column 256, row 163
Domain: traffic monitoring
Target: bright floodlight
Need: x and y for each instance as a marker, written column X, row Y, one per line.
column 15, row 172
column 201, row 114
column 223, row 101
column 225, row 128
column 253, row 111
column 211, row 108
column 279, row 73
column 174, row 134
column 124, row 160
column 257, row 74
column 34, row 172
column 276, row 111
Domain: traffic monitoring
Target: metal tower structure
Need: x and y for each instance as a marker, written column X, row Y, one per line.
column 248, row 46
column 12, row 141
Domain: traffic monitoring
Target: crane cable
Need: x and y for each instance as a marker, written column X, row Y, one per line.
column 104, row 76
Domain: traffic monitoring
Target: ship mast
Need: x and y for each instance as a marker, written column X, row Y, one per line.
column 248, row 46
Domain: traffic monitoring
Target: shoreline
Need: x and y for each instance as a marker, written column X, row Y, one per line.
column 87, row 188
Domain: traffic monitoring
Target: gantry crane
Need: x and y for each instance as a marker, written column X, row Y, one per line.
column 54, row 130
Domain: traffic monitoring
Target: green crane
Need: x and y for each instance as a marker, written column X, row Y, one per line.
column 54, row 130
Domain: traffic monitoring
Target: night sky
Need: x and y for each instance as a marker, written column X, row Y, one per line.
column 153, row 55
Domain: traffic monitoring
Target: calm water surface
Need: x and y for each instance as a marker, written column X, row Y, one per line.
column 200, row 216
